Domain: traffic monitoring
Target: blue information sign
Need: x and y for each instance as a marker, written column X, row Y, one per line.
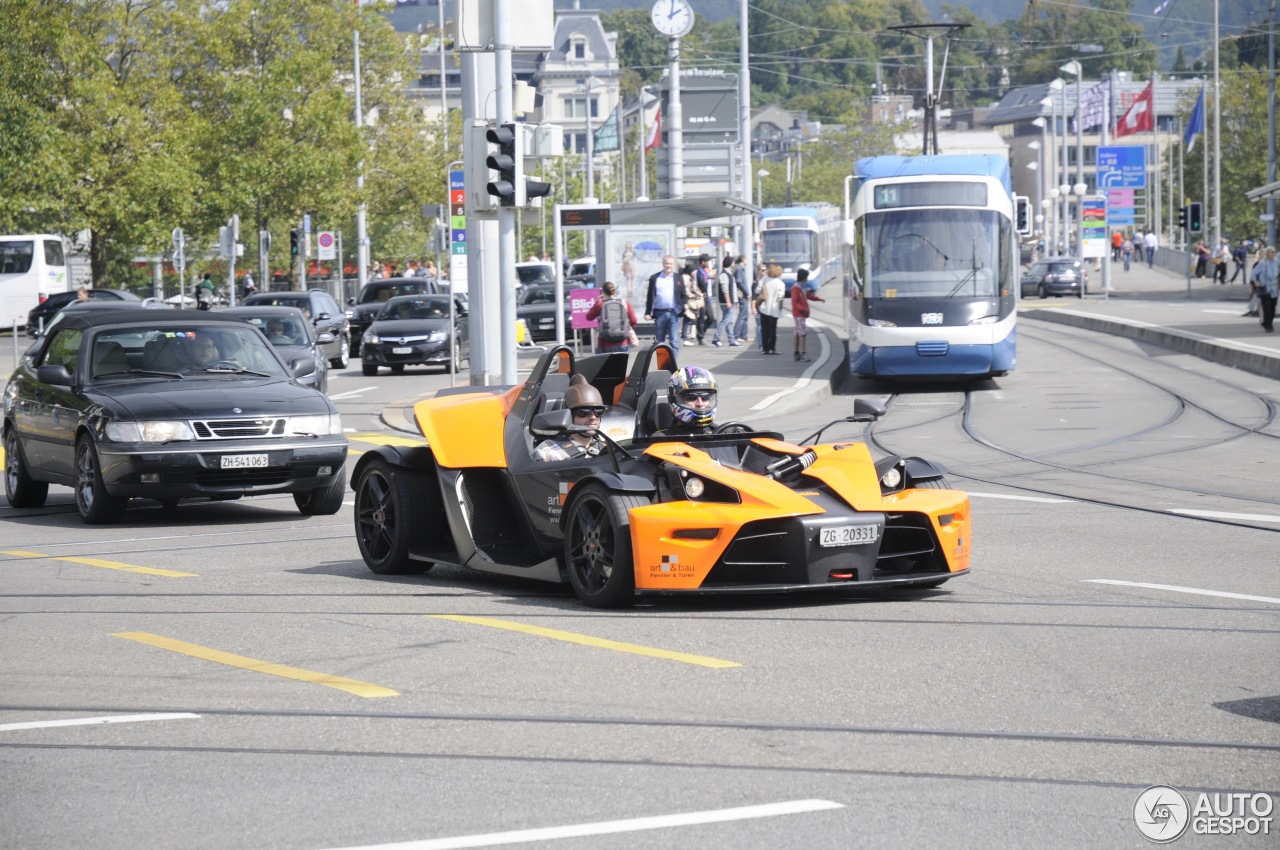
column 1122, row 167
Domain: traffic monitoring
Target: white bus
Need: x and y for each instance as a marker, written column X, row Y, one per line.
column 32, row 267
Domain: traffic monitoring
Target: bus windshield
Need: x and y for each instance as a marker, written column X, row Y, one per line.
column 788, row 247
column 933, row 253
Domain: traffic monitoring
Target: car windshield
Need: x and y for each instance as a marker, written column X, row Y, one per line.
column 416, row 308
column 386, row 291
column 538, row 295
column 214, row 351
column 282, row 331
column 1061, row 268
column 534, row 274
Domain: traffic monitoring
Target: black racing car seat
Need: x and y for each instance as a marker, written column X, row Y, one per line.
column 653, row 413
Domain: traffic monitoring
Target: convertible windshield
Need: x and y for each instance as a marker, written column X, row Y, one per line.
column 222, row 350
column 931, row 253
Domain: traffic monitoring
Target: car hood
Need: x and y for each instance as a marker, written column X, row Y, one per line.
column 408, row 327
column 200, row 398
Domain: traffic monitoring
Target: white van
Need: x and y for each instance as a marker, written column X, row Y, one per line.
column 32, row 267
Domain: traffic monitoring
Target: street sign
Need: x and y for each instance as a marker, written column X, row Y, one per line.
column 1094, row 222
column 327, row 249
column 457, row 231
column 1122, row 167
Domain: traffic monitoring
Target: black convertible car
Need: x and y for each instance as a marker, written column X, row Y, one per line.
column 166, row 406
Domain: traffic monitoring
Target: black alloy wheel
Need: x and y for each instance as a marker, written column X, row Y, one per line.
column 95, row 504
column 20, row 488
column 597, row 547
column 385, row 520
column 344, row 353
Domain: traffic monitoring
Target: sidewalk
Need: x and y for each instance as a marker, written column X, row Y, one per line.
column 1155, row 306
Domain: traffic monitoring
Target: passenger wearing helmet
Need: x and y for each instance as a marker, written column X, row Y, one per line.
column 587, row 408
column 692, row 394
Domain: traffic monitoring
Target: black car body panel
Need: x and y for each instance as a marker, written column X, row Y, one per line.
column 1056, row 276
column 298, row 341
column 324, row 312
column 164, row 428
column 43, row 313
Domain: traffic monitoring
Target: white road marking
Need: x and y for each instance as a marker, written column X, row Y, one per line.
column 1023, row 498
column 1226, row 515
column 804, row 379
column 90, row 721
column 552, row 833
column 1194, row 590
column 350, row 393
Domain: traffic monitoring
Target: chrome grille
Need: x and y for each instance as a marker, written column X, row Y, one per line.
column 238, row 429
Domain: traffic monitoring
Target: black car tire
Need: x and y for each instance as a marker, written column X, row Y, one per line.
column 1042, row 292
column 369, row 371
column 597, row 547
column 20, row 488
column 95, row 504
column 935, row 484
column 397, row 368
column 344, row 353
column 394, row 510
column 322, row 501
column 355, row 346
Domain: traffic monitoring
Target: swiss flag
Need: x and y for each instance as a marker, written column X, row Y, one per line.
column 655, row 132
column 1141, row 115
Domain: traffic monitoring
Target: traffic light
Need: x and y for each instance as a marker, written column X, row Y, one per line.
column 1193, row 217
column 1022, row 214
column 508, row 161
column 293, row 242
column 1182, row 217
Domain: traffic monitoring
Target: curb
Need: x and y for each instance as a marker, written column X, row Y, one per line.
column 1249, row 358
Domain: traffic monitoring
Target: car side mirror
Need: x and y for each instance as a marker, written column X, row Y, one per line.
column 325, row 338
column 56, row 376
column 323, row 317
column 550, row 423
column 351, row 302
column 302, row 368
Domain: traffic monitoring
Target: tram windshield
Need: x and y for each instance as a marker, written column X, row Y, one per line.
column 788, row 247
column 933, row 253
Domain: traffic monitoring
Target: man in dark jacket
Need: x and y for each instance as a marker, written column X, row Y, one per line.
column 664, row 303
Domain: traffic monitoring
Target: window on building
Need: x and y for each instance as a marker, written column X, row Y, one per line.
column 579, row 48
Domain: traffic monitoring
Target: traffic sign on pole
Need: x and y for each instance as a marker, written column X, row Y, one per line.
column 325, row 240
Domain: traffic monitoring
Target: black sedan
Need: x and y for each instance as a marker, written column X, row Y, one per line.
column 42, row 314
column 1056, row 276
column 325, row 315
column 537, row 308
column 413, row 330
column 362, row 309
column 293, row 337
column 164, row 405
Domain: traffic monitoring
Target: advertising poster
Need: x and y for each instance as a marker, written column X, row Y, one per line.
column 632, row 255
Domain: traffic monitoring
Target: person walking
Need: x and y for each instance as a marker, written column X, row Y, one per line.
column 1239, row 256
column 1265, row 275
column 1202, row 260
column 204, row 293
column 1221, row 253
column 727, row 301
column 694, row 303
column 1151, row 242
column 769, row 303
column 617, row 320
column 1117, row 244
column 664, row 303
column 743, row 298
column 1127, row 250
column 800, row 298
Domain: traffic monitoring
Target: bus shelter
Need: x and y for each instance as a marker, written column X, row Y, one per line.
column 635, row 219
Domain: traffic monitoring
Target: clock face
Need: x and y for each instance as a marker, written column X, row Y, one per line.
column 672, row 17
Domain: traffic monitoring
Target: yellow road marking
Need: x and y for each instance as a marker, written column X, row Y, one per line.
column 351, row 686
column 98, row 562
column 387, row 440
column 586, row 640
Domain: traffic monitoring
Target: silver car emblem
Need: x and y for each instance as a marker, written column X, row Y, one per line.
column 236, row 410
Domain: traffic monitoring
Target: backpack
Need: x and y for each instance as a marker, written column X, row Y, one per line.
column 614, row 326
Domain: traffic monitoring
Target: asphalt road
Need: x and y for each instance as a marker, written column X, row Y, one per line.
column 1119, row 630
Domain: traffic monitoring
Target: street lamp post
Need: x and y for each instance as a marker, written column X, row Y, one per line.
column 591, row 83
column 760, row 175
column 1074, row 67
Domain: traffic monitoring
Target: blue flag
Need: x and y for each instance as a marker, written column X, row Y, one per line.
column 1195, row 125
column 606, row 135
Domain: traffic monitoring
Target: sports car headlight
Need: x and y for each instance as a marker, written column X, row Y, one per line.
column 881, row 323
column 985, row 320
column 314, row 426
column 371, row 339
column 699, row 489
column 892, row 479
column 149, row 432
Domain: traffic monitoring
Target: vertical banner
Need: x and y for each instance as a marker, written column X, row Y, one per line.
column 457, row 232
column 1094, row 215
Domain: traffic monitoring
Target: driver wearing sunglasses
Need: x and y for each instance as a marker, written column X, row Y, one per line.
column 588, row 409
column 692, row 395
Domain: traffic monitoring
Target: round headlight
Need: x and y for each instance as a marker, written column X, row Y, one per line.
column 694, row 487
column 892, row 478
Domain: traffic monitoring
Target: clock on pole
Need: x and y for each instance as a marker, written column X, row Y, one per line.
column 673, row 18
